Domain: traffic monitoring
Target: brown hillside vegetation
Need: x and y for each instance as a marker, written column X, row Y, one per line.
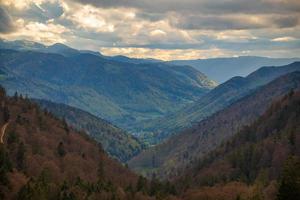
column 43, row 158
column 261, row 162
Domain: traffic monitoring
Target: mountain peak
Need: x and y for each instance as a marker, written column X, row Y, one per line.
column 59, row 45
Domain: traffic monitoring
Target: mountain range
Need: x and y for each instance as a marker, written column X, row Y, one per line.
column 62, row 49
column 260, row 162
column 222, row 69
column 119, row 92
column 43, row 158
column 57, row 48
column 67, row 119
column 193, row 143
column 217, row 99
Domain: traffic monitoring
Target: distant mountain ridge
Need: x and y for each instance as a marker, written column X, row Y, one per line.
column 62, row 49
column 58, row 48
column 217, row 99
column 114, row 140
column 222, row 69
column 193, row 143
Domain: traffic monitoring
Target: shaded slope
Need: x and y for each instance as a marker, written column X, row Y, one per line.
column 114, row 140
column 217, row 99
column 203, row 137
column 258, row 155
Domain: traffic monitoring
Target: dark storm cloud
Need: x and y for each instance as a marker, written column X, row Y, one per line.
column 286, row 21
column 203, row 6
column 233, row 22
column 6, row 23
column 208, row 14
column 150, row 16
column 214, row 23
column 41, row 13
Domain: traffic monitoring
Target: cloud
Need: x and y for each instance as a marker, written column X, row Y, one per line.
column 202, row 6
column 215, row 15
column 232, row 22
column 286, row 21
column 284, row 39
column 169, row 54
column 165, row 29
column 90, row 19
column 47, row 33
column 6, row 23
column 235, row 22
column 188, row 54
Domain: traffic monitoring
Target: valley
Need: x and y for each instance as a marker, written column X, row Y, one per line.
column 87, row 126
column 123, row 93
column 212, row 131
column 217, row 99
column 149, row 100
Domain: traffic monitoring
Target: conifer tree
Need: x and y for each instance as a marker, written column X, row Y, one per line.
column 61, row 149
column 289, row 187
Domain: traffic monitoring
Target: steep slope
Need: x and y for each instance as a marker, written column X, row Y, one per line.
column 114, row 140
column 217, row 99
column 116, row 91
column 222, row 69
column 261, row 155
column 203, row 137
column 43, row 158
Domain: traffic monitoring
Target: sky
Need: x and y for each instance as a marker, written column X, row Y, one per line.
column 161, row 29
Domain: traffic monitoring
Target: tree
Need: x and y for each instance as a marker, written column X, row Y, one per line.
column 16, row 96
column 155, row 186
column 65, row 193
column 5, row 166
column 65, row 125
column 289, row 187
column 21, row 156
column 141, row 184
column 2, row 92
column 6, row 114
column 100, row 170
column 36, row 189
column 61, row 149
column 12, row 137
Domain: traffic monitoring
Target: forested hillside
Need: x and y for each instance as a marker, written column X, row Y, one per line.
column 122, row 93
column 115, row 141
column 262, row 161
column 42, row 157
column 217, row 99
column 193, row 143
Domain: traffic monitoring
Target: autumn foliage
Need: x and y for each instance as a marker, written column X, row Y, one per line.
column 43, row 158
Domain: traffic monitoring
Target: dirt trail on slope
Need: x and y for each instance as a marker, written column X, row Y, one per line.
column 3, row 131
